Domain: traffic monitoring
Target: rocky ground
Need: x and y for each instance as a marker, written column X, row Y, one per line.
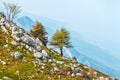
column 22, row 57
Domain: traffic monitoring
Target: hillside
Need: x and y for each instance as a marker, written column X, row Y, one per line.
column 22, row 57
column 86, row 52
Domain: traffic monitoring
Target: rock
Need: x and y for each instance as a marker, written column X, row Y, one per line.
column 79, row 74
column 6, row 78
column 56, row 69
column 39, row 49
column 16, row 38
column 50, row 60
column 72, row 75
column 38, row 55
column 16, row 55
column 17, row 73
column 60, row 62
column 75, row 65
column 19, row 35
column 4, row 29
column 45, row 54
column 43, row 67
column 39, row 42
column 102, row 78
column 95, row 74
column 3, row 62
column 15, row 29
column 42, row 71
column 86, row 67
column 31, row 77
column 6, row 45
column 77, row 69
column 72, row 68
column 68, row 73
column 34, row 51
column 27, row 47
column 74, row 60
column 30, row 49
column 108, row 79
column 14, row 43
column 28, row 41
column 44, row 59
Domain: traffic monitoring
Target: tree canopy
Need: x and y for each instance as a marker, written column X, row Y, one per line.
column 39, row 32
column 61, row 39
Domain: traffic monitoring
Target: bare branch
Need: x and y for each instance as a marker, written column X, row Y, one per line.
column 12, row 10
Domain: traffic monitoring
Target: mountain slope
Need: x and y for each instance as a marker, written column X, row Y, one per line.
column 23, row 57
column 96, row 56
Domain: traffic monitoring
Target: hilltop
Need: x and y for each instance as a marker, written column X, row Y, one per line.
column 23, row 57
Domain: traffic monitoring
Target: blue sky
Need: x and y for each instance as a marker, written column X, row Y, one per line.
column 97, row 20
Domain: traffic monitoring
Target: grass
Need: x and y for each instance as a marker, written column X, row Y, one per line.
column 9, row 74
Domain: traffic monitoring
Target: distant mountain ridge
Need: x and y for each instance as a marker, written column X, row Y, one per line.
column 23, row 21
column 82, row 58
column 89, row 54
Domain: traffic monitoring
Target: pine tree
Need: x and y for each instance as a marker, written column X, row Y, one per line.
column 39, row 32
column 61, row 39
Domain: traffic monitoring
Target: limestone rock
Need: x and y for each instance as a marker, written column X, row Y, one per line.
column 38, row 55
column 16, row 55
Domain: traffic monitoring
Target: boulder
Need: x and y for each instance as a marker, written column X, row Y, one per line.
column 73, row 75
column 15, row 29
column 3, row 62
column 39, row 42
column 27, row 47
column 38, row 49
column 45, row 54
column 30, row 49
column 28, row 41
column 14, row 43
column 38, row 55
column 19, row 35
column 6, row 45
column 74, row 60
column 101, row 78
column 17, row 73
column 68, row 73
column 56, row 68
column 16, row 55
column 79, row 74
column 50, row 60
column 6, row 78
column 44, row 59
column 77, row 70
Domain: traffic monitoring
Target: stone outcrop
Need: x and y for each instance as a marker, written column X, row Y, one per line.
column 22, row 37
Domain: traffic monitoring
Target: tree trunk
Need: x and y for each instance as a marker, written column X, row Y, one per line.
column 61, row 51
